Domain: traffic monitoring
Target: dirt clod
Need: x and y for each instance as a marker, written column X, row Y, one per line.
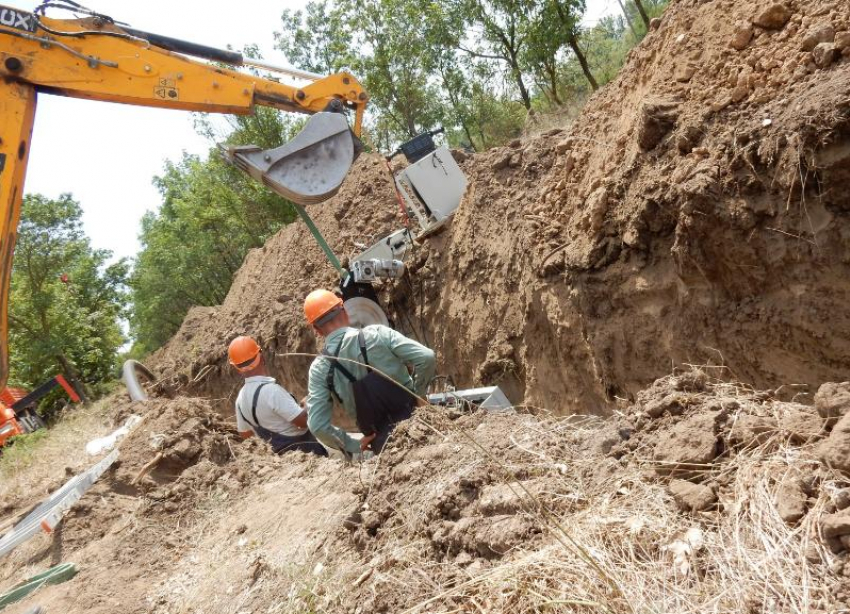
column 657, row 118
column 774, row 17
column 686, row 448
column 791, row 500
column 692, row 497
column 835, row 449
column 816, row 34
column 743, row 35
column 824, row 54
column 832, row 401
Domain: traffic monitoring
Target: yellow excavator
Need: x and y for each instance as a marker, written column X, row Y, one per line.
column 92, row 56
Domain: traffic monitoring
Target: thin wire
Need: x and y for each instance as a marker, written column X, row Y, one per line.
column 48, row 42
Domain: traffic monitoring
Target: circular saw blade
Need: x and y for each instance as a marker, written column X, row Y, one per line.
column 364, row 312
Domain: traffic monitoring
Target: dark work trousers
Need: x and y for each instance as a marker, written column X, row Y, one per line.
column 303, row 443
column 387, row 424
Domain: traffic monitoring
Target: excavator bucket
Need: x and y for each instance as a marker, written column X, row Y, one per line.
column 308, row 169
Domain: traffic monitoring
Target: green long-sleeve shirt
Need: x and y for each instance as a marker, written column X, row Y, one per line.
column 389, row 351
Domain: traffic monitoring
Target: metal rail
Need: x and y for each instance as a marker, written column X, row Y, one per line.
column 47, row 515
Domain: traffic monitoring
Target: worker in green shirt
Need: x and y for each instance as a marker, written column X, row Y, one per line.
column 376, row 403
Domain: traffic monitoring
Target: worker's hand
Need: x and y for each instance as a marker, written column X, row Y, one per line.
column 367, row 441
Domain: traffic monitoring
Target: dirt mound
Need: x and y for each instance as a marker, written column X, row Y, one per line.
column 518, row 513
column 695, row 213
column 700, row 495
column 178, row 465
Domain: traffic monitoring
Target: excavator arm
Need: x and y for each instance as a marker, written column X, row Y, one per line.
column 96, row 59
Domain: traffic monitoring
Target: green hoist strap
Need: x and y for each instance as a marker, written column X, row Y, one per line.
column 320, row 240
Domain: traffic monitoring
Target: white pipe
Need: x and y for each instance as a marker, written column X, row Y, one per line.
column 130, row 374
column 293, row 72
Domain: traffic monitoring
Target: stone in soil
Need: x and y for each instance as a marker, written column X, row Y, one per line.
column 692, row 497
column 835, row 450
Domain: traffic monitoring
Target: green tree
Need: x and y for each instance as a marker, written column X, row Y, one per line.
column 382, row 42
column 317, row 39
column 500, row 31
column 211, row 215
column 66, row 301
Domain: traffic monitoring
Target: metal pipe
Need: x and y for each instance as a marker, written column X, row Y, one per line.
column 217, row 55
column 293, row 72
column 130, row 374
column 180, row 46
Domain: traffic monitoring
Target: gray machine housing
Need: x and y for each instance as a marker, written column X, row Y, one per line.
column 432, row 188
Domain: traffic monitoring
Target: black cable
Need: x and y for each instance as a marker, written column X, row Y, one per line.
column 83, row 33
column 69, row 5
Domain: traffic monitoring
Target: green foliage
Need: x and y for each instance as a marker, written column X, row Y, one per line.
column 382, row 42
column 22, row 450
column 475, row 66
column 211, row 215
column 66, row 301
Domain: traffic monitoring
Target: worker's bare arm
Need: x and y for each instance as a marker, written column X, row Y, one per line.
column 246, row 434
column 301, row 420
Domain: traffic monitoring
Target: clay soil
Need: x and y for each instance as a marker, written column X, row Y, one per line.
column 701, row 496
column 694, row 214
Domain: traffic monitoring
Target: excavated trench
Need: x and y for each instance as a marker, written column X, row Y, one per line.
column 696, row 213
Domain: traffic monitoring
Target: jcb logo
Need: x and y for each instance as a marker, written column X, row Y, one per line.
column 17, row 19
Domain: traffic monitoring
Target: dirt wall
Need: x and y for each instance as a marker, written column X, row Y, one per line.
column 696, row 212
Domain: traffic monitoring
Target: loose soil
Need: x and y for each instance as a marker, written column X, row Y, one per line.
column 666, row 507
column 694, row 214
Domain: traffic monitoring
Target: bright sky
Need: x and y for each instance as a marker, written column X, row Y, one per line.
column 107, row 154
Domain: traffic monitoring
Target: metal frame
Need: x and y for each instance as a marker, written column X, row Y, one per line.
column 47, row 515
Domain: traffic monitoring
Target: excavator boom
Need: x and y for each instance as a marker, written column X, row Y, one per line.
column 96, row 59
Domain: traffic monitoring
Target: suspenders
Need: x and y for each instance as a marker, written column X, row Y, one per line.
column 336, row 364
column 256, row 422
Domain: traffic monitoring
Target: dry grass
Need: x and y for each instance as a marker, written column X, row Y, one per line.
column 646, row 556
column 610, row 541
column 39, row 459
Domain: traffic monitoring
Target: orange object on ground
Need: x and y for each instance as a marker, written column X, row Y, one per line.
column 9, row 425
column 10, row 396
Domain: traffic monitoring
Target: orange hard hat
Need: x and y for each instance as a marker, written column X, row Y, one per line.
column 320, row 303
column 244, row 353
